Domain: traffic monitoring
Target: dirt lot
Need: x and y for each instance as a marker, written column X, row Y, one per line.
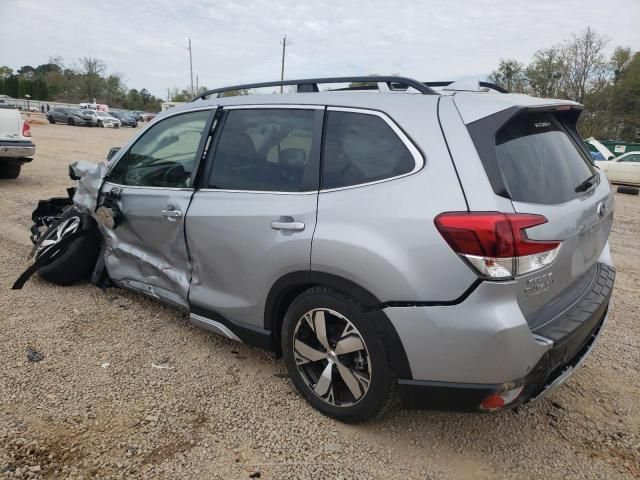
column 97, row 406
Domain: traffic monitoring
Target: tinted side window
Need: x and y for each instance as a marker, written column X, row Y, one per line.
column 539, row 161
column 165, row 154
column 264, row 150
column 631, row 158
column 361, row 148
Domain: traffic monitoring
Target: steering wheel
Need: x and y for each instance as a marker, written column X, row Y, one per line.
column 176, row 175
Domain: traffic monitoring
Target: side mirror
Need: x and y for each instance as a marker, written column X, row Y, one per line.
column 112, row 153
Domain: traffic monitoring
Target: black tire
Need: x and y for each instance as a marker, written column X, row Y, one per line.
column 628, row 190
column 10, row 170
column 76, row 261
column 51, row 120
column 381, row 393
column 100, row 123
column 70, row 122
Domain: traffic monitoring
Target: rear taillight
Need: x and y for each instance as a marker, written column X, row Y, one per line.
column 496, row 244
column 26, row 129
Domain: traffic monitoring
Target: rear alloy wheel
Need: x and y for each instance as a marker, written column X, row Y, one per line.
column 70, row 122
column 100, row 123
column 335, row 356
column 334, row 366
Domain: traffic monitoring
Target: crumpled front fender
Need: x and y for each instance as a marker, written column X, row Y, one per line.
column 89, row 177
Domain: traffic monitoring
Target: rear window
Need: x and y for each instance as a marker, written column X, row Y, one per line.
column 539, row 162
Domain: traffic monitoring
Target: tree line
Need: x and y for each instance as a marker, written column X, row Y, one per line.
column 578, row 69
column 82, row 82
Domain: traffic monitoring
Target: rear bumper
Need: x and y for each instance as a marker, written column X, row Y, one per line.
column 568, row 340
column 17, row 150
column 425, row 395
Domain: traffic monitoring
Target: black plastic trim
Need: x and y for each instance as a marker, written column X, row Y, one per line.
column 201, row 152
column 483, row 133
column 16, row 143
column 450, row 396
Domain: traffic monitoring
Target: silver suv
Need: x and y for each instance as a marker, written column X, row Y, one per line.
column 442, row 244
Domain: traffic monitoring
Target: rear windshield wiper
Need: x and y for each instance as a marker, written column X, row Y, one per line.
column 588, row 183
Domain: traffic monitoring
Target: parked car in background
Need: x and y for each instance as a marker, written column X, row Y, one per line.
column 92, row 106
column 624, row 169
column 126, row 120
column 103, row 119
column 137, row 115
column 70, row 116
column 16, row 146
column 147, row 117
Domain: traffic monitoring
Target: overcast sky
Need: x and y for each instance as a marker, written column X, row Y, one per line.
column 239, row 41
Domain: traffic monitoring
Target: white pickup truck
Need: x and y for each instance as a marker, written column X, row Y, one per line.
column 16, row 146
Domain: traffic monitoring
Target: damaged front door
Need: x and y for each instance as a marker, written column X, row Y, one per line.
column 151, row 184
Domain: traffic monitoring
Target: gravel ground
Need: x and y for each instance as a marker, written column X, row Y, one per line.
column 128, row 388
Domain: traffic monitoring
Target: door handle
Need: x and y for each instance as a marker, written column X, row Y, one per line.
column 170, row 214
column 286, row 224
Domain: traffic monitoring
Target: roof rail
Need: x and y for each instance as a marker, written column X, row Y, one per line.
column 311, row 84
column 492, row 86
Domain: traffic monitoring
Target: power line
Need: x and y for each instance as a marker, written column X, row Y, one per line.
column 284, row 44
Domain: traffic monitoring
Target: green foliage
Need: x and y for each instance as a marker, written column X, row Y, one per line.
column 5, row 72
column 181, row 96
column 74, row 84
column 577, row 69
column 235, row 93
column 364, row 84
column 510, row 75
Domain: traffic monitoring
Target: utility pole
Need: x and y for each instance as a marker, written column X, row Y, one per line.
column 191, row 68
column 168, row 98
column 284, row 44
column 197, row 85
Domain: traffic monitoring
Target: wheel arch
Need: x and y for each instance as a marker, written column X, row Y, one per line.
column 288, row 287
